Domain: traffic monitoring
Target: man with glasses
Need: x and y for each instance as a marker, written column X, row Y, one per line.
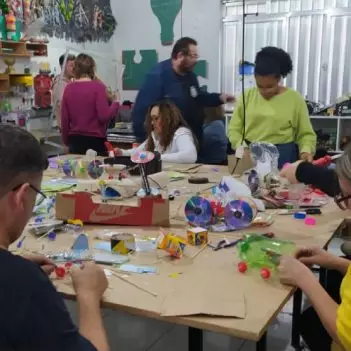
column 33, row 315
column 174, row 79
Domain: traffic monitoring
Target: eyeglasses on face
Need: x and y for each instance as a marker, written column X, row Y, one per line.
column 33, row 188
column 342, row 201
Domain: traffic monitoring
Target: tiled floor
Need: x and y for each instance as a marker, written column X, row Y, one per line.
column 130, row 333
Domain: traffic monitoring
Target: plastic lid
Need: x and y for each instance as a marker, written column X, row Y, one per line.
column 310, row 221
column 300, row 215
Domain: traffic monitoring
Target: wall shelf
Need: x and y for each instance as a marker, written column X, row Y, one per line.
column 14, row 49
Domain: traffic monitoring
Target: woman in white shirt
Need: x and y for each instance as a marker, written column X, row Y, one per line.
column 168, row 133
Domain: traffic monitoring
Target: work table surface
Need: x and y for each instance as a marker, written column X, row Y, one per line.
column 263, row 299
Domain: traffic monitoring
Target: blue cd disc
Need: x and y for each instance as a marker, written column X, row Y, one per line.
column 68, row 167
column 239, row 214
column 198, row 211
column 94, row 169
column 254, row 181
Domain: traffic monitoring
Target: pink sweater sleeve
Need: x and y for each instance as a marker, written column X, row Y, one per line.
column 64, row 118
column 104, row 111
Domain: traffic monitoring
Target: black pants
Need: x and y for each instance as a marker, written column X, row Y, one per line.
column 80, row 144
column 312, row 330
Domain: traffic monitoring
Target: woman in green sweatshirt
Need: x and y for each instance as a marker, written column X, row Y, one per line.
column 274, row 113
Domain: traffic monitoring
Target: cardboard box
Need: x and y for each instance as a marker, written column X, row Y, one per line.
column 149, row 211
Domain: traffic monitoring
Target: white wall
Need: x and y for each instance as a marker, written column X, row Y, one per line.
column 139, row 29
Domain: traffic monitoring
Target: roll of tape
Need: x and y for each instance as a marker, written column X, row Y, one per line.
column 123, row 243
column 300, row 215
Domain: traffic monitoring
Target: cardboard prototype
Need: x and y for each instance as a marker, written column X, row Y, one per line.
column 244, row 164
column 149, row 211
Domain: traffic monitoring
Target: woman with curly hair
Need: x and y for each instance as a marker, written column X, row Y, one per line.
column 85, row 111
column 274, row 113
column 167, row 133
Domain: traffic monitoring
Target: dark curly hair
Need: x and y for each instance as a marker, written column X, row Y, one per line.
column 171, row 120
column 272, row 61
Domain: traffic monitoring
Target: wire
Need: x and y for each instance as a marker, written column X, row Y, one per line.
column 242, row 81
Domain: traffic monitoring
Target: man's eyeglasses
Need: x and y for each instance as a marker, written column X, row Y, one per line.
column 342, row 201
column 33, row 188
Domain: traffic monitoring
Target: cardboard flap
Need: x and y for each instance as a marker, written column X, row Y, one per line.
column 158, row 180
column 239, row 167
column 210, row 295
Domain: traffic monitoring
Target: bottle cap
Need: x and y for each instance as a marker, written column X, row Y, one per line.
column 300, row 215
column 310, row 221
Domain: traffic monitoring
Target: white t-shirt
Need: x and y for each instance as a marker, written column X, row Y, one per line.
column 182, row 149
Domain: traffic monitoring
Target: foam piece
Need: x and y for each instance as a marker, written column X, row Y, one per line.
column 310, row 221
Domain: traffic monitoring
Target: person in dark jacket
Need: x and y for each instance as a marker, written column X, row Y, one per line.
column 175, row 80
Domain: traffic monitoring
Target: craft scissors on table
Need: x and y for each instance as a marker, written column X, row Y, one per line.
column 225, row 243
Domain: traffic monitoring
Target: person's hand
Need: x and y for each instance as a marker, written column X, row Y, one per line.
column 116, row 96
column 89, row 281
column 45, row 264
column 289, row 172
column 292, row 271
column 225, row 98
column 117, row 151
column 316, row 256
column 306, row 156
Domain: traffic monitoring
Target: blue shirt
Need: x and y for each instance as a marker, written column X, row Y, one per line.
column 161, row 83
column 215, row 143
column 33, row 315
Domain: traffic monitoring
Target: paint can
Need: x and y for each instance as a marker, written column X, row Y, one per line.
column 123, row 243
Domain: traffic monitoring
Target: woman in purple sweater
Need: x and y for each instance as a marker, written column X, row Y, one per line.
column 85, row 111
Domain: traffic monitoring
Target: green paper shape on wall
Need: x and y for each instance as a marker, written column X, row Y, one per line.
column 134, row 73
column 166, row 11
column 201, row 69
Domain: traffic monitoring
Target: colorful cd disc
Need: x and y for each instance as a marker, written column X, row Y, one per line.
column 94, row 169
column 254, row 181
column 239, row 214
column 198, row 211
column 142, row 157
column 68, row 167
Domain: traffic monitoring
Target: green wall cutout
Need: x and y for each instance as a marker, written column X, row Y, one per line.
column 166, row 11
column 201, row 69
column 134, row 73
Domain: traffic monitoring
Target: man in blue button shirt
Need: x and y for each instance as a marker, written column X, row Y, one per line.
column 33, row 315
column 174, row 79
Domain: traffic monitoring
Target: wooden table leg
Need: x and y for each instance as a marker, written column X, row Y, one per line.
column 195, row 337
column 295, row 332
column 261, row 345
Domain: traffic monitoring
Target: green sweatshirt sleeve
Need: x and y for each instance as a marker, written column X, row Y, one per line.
column 305, row 136
column 236, row 125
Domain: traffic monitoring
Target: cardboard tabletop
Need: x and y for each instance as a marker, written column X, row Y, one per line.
column 254, row 302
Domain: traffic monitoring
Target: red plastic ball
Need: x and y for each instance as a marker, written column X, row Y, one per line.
column 60, row 272
column 265, row 273
column 242, row 267
column 68, row 264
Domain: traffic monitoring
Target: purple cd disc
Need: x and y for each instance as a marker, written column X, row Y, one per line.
column 198, row 211
column 238, row 214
